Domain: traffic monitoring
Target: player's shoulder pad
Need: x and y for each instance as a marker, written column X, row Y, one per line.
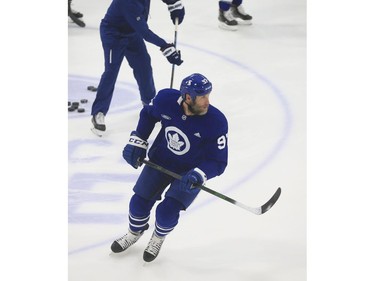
column 216, row 120
column 166, row 95
column 216, row 114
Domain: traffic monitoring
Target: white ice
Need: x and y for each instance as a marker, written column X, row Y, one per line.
column 259, row 81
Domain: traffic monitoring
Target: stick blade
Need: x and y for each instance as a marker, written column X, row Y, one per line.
column 268, row 205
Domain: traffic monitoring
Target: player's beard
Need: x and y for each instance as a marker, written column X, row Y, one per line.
column 197, row 110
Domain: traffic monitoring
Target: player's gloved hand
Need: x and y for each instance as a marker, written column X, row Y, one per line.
column 135, row 150
column 177, row 10
column 192, row 179
column 172, row 55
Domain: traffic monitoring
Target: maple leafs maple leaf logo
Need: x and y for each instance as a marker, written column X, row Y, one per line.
column 174, row 141
column 177, row 141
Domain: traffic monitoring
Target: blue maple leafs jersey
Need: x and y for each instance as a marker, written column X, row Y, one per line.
column 185, row 142
column 129, row 17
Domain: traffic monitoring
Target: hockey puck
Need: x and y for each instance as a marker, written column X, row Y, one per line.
column 75, row 104
column 71, row 108
column 84, row 100
column 80, row 110
column 92, row 88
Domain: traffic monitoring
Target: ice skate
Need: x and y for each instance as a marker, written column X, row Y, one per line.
column 78, row 15
column 153, row 248
column 227, row 21
column 99, row 125
column 124, row 242
column 75, row 16
column 238, row 12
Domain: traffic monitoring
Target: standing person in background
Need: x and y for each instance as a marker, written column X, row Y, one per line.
column 192, row 142
column 123, row 32
column 229, row 14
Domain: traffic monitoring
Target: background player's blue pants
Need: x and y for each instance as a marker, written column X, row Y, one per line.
column 225, row 4
column 148, row 189
column 116, row 46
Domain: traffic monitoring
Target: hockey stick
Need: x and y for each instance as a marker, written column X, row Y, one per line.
column 175, row 45
column 258, row 211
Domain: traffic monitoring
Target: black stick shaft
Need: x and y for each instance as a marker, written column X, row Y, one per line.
column 257, row 211
column 175, row 45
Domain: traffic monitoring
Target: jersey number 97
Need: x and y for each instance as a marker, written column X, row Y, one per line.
column 221, row 142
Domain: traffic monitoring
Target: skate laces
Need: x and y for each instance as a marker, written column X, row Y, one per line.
column 241, row 10
column 99, row 118
column 128, row 239
column 228, row 15
column 154, row 244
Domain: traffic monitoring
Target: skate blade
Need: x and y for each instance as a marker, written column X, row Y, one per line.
column 97, row 132
column 228, row 27
column 244, row 22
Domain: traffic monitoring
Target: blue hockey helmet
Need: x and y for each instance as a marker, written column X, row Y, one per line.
column 195, row 85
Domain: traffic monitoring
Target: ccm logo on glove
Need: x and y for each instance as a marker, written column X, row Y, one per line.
column 136, row 141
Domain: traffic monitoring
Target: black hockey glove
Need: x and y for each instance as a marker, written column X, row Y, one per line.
column 192, row 179
column 135, row 150
column 172, row 55
column 177, row 10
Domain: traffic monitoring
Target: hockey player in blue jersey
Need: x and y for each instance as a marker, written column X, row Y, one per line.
column 123, row 31
column 192, row 142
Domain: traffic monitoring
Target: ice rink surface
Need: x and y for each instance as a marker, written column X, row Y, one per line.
column 259, row 82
